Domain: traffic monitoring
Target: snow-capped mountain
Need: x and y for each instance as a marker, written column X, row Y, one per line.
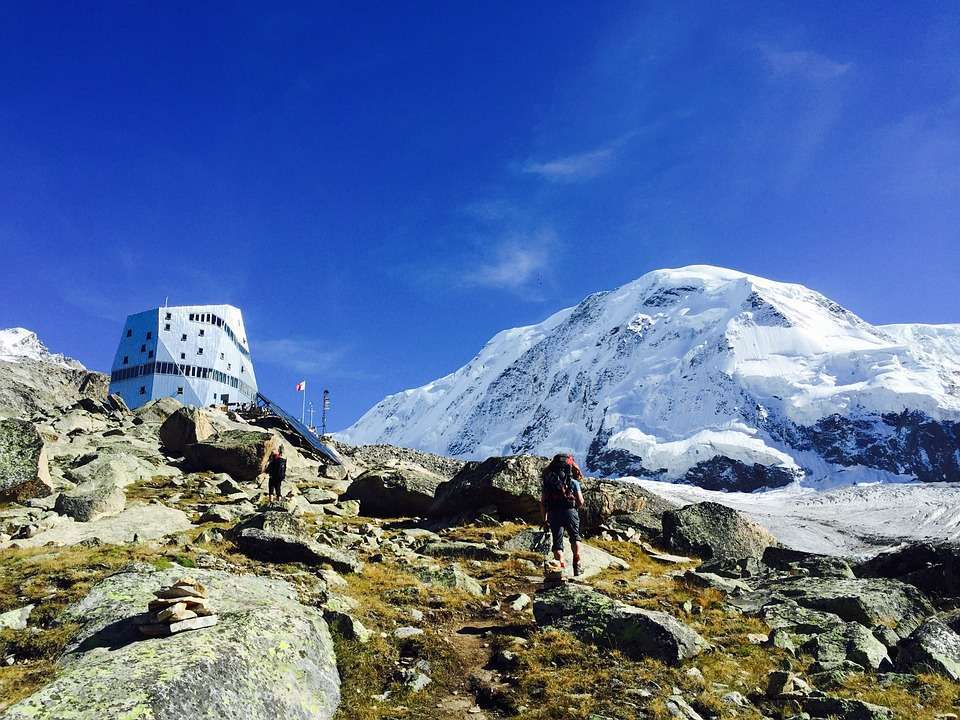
column 702, row 375
column 17, row 344
column 35, row 381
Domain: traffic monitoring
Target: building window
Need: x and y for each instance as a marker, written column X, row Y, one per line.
column 143, row 348
column 221, row 356
column 183, row 338
column 126, row 359
column 149, row 335
column 201, row 332
column 166, row 326
column 179, row 391
column 192, row 315
column 241, row 368
column 129, row 332
column 199, row 351
column 143, row 389
column 168, row 316
column 228, row 366
column 150, row 353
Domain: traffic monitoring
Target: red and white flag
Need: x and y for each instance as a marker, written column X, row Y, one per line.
column 301, row 386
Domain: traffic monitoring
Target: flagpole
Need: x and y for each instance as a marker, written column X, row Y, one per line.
column 303, row 407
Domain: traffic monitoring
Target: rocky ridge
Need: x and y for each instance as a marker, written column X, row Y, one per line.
column 407, row 590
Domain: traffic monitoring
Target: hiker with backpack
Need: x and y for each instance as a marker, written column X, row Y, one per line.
column 277, row 471
column 560, row 499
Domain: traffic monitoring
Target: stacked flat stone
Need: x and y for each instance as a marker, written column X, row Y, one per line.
column 552, row 572
column 178, row 607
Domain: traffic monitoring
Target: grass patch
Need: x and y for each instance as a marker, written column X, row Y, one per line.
column 924, row 695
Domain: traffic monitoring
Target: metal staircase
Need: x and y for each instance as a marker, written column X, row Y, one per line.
column 299, row 428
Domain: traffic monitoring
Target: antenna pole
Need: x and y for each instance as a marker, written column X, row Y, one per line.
column 324, row 407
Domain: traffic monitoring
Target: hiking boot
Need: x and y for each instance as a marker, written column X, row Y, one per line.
column 577, row 572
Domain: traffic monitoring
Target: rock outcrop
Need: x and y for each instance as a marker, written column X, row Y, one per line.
column 714, row 531
column 889, row 603
column 278, row 547
column 932, row 647
column 91, row 502
column 242, row 454
column 397, row 489
column 24, row 473
column 268, row 657
column 186, row 426
column 603, row 621
column 931, row 567
column 512, row 486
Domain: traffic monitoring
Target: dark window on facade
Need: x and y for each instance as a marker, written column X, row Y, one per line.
column 179, row 391
column 143, row 348
column 199, row 351
column 183, row 338
column 221, row 356
column 149, row 335
column 192, row 316
column 201, row 332
column 126, row 359
column 150, row 353
column 143, row 389
column 129, row 332
column 167, row 317
column 166, row 326
column 183, row 356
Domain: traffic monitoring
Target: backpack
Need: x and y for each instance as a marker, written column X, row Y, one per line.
column 558, row 487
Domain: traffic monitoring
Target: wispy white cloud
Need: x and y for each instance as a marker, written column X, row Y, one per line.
column 806, row 64
column 302, row 355
column 515, row 262
column 574, row 168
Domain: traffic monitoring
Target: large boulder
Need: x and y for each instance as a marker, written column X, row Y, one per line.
column 714, row 531
column 849, row 641
column 891, row 604
column 931, row 567
column 605, row 622
column 932, row 647
column 114, row 468
column 157, row 411
column 137, row 522
column 278, row 547
column 512, row 485
column 91, row 502
column 188, row 425
column 242, row 454
column 823, row 706
column 268, row 657
column 394, row 489
column 24, row 473
column 593, row 560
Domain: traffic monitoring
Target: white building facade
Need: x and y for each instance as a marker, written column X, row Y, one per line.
column 197, row 354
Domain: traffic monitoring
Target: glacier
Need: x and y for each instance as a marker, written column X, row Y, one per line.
column 699, row 375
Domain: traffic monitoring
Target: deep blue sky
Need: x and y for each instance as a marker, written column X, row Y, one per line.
column 381, row 190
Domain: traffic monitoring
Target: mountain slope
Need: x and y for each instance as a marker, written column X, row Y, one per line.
column 704, row 375
column 34, row 380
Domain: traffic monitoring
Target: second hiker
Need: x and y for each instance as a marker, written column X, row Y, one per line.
column 560, row 499
column 277, row 470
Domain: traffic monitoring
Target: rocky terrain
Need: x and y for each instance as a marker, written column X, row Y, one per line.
column 33, row 380
column 705, row 376
column 405, row 585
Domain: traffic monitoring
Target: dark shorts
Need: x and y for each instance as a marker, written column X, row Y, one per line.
column 561, row 520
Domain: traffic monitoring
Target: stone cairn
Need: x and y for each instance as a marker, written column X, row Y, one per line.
column 552, row 572
column 178, row 607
